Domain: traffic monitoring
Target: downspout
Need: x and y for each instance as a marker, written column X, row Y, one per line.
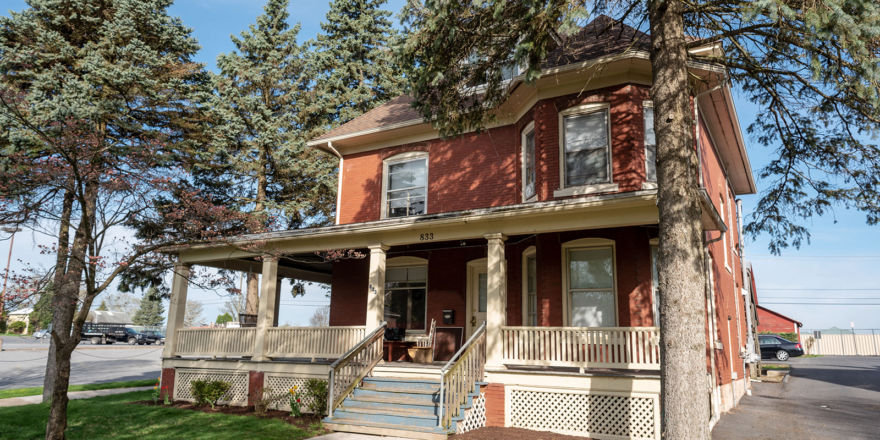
column 339, row 183
column 747, row 300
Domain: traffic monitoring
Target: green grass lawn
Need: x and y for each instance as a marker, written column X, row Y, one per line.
column 36, row 391
column 110, row 417
column 812, row 355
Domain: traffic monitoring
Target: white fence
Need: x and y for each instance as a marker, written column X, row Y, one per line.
column 312, row 342
column 216, row 342
column 842, row 345
column 606, row 347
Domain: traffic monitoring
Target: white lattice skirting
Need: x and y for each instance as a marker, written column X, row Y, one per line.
column 282, row 385
column 586, row 414
column 237, row 395
column 475, row 417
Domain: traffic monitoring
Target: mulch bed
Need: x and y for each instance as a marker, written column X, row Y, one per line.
column 303, row 422
column 493, row 433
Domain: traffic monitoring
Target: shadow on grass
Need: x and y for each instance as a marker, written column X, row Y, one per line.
column 110, row 417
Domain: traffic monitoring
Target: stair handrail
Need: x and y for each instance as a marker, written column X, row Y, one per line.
column 354, row 365
column 471, row 357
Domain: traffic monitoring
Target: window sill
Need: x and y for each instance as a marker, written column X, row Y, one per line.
column 649, row 185
column 586, row 189
column 728, row 268
column 531, row 199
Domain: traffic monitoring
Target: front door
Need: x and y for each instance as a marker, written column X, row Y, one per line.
column 477, row 295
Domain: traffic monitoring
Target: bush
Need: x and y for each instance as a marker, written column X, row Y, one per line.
column 316, row 391
column 209, row 391
column 17, row 327
column 263, row 399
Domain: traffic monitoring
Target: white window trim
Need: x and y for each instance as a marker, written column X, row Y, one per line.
column 647, row 184
column 654, row 287
column 609, row 186
column 530, row 128
column 586, row 243
column 397, row 158
column 405, row 263
column 531, row 250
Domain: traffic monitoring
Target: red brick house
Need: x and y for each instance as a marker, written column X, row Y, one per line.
column 532, row 246
column 775, row 322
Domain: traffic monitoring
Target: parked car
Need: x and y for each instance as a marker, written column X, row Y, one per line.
column 773, row 346
column 154, row 337
column 40, row 334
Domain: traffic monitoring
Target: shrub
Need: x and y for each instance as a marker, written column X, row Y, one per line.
column 209, row 391
column 17, row 327
column 316, row 390
column 263, row 399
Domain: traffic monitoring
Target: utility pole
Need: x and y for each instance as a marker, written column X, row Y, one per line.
column 6, row 275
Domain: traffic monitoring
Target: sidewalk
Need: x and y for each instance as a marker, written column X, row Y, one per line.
column 30, row 400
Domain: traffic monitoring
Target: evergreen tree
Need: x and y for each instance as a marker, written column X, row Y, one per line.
column 102, row 307
column 151, row 311
column 353, row 58
column 261, row 90
column 41, row 317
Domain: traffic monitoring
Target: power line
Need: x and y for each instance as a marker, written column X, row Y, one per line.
column 829, row 298
column 815, row 256
column 822, row 289
column 824, row 304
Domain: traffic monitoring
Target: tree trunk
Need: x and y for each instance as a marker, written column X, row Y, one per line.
column 58, row 281
column 252, row 305
column 253, row 282
column 66, row 332
column 684, row 392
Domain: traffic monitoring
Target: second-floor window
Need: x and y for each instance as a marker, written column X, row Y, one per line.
column 650, row 144
column 586, row 145
column 528, row 142
column 406, row 190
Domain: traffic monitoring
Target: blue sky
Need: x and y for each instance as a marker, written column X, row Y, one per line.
column 842, row 254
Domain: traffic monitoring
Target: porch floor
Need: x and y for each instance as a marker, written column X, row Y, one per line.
column 535, row 369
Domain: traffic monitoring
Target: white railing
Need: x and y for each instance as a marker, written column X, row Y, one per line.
column 460, row 375
column 312, row 342
column 346, row 373
column 585, row 347
column 216, row 342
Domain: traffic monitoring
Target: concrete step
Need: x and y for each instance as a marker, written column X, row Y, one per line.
column 383, row 429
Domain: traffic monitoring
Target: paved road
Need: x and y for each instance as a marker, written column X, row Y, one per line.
column 17, row 343
column 20, row 369
column 828, row 398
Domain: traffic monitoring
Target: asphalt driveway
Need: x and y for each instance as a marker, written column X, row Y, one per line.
column 830, row 397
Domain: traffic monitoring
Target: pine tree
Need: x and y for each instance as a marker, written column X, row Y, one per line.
column 102, row 307
column 151, row 311
column 260, row 91
column 41, row 317
column 353, row 58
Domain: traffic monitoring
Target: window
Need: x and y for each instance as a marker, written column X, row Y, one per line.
column 528, row 154
column 590, row 285
column 724, row 234
column 585, row 150
column 406, row 291
column 655, row 282
column 406, row 185
column 530, row 287
column 650, row 144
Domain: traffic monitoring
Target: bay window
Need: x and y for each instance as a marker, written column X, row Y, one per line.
column 585, row 150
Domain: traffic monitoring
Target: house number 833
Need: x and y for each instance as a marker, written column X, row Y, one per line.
column 426, row 237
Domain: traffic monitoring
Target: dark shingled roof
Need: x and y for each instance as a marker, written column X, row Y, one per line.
column 595, row 40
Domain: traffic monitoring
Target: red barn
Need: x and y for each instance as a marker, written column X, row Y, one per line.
column 770, row 321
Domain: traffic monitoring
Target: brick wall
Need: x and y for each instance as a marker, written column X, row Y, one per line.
column 771, row 321
column 447, row 279
column 494, row 404
column 255, row 385
column 167, row 383
column 479, row 171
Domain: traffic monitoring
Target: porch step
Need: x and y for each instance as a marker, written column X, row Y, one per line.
column 426, row 372
column 392, row 407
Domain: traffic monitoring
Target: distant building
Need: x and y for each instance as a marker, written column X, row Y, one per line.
column 770, row 321
column 21, row 315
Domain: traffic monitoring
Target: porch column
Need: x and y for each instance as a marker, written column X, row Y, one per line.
column 376, row 289
column 495, row 303
column 266, row 313
column 176, row 307
column 277, row 305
